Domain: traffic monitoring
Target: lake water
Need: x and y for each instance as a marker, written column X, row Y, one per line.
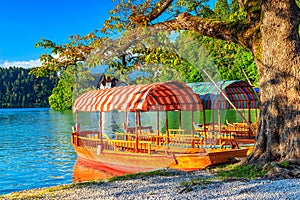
column 35, row 149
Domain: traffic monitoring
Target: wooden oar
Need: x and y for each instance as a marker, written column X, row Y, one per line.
column 256, row 95
column 238, row 112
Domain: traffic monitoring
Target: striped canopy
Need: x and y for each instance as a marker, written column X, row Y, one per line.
column 167, row 96
column 240, row 93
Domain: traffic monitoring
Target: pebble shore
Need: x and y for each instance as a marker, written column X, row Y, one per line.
column 171, row 187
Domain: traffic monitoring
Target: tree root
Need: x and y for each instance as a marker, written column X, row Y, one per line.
column 282, row 170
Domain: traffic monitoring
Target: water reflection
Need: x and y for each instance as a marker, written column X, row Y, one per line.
column 35, row 148
column 85, row 172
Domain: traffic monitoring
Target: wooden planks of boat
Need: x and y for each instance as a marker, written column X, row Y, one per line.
column 138, row 162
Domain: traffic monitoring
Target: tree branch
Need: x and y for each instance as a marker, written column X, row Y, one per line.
column 252, row 8
column 233, row 32
column 161, row 7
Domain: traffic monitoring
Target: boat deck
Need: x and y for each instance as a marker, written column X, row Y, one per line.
column 175, row 141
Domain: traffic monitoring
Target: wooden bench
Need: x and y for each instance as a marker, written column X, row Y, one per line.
column 122, row 145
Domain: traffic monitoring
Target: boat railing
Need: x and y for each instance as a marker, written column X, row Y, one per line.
column 186, row 141
column 180, row 131
column 147, row 143
column 76, row 136
column 140, row 129
column 124, row 136
column 90, row 140
column 150, row 142
column 142, row 136
column 180, row 138
column 130, row 146
column 237, row 131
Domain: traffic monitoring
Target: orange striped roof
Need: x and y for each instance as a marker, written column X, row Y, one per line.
column 172, row 95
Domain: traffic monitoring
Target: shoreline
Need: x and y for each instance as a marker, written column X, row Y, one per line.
column 178, row 185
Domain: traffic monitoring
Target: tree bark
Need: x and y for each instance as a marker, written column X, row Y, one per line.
column 278, row 136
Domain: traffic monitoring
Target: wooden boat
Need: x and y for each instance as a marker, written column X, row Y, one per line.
column 140, row 148
column 232, row 134
column 221, row 96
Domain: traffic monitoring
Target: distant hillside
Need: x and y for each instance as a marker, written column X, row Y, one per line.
column 18, row 89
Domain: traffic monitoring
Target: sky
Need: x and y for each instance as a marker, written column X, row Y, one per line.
column 25, row 22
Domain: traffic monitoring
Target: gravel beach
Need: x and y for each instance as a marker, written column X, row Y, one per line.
column 178, row 186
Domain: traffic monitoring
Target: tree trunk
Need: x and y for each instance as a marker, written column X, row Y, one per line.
column 278, row 136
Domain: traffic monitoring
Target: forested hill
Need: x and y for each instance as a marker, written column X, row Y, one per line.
column 19, row 89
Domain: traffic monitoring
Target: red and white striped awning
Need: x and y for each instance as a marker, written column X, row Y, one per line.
column 172, row 95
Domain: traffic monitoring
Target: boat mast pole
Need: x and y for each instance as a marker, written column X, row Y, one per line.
column 77, row 127
column 157, row 139
column 204, row 123
column 249, row 111
column 213, row 117
column 126, row 125
column 219, row 117
column 137, row 128
column 249, row 115
column 237, row 111
column 179, row 117
column 256, row 116
column 76, row 120
column 193, row 119
column 100, row 132
column 167, row 128
column 255, row 94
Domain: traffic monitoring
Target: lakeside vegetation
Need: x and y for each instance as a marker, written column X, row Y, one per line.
column 19, row 89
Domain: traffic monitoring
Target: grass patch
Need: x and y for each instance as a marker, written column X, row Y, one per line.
column 198, row 182
column 284, row 164
column 142, row 175
column 240, row 171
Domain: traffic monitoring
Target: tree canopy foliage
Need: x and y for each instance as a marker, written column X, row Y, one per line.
column 151, row 57
column 62, row 95
column 19, row 89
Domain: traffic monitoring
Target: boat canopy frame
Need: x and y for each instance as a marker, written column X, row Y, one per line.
column 162, row 96
column 221, row 95
column 239, row 92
